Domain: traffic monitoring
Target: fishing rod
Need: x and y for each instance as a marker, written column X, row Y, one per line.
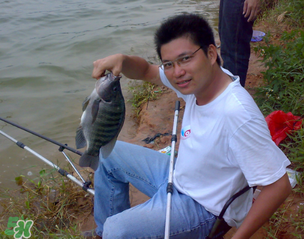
column 64, row 146
column 60, row 170
column 86, row 184
column 170, row 178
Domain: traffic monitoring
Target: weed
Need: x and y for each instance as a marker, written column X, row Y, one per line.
column 293, row 11
column 142, row 93
column 293, row 146
column 54, row 204
column 284, row 76
column 283, row 90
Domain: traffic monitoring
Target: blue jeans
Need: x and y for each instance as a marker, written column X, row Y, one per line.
column 235, row 35
column 147, row 170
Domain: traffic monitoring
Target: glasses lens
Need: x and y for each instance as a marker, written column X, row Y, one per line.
column 181, row 61
column 167, row 65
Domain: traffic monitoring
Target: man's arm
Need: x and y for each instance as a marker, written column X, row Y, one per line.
column 268, row 201
column 132, row 67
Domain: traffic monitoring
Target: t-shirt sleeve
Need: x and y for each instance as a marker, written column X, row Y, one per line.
column 260, row 159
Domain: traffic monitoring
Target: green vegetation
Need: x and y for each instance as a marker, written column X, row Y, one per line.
column 283, row 89
column 292, row 10
column 143, row 92
column 55, row 205
column 284, row 77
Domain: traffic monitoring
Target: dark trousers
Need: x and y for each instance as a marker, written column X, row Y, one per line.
column 235, row 35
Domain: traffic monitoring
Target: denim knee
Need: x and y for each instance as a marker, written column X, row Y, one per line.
column 113, row 229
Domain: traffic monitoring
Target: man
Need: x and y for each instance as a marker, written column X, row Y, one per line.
column 227, row 146
column 236, row 18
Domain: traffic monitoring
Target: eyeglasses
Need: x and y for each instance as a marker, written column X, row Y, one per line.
column 181, row 61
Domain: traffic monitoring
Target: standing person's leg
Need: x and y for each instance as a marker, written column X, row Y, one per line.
column 144, row 168
column 235, row 35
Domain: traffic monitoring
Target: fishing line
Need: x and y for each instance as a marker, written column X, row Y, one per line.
column 60, row 170
column 85, row 185
column 65, row 146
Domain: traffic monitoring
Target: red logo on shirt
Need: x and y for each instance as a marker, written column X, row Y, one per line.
column 185, row 132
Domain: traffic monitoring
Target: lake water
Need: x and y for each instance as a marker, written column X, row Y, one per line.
column 46, row 53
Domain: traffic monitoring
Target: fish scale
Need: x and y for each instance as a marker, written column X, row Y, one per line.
column 101, row 121
column 108, row 124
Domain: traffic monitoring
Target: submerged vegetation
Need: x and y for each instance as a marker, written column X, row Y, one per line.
column 58, row 207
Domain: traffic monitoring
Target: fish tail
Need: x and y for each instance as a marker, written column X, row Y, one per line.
column 87, row 160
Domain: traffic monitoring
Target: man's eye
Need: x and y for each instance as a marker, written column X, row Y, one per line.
column 185, row 58
column 167, row 64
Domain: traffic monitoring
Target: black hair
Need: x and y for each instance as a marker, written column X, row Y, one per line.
column 185, row 25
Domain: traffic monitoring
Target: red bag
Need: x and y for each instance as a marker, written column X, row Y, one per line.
column 280, row 124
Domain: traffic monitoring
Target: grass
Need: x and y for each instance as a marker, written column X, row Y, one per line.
column 284, row 77
column 292, row 10
column 283, row 89
column 52, row 202
column 143, row 92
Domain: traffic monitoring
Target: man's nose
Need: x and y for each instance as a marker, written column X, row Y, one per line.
column 178, row 70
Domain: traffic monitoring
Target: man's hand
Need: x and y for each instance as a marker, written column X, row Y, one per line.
column 251, row 9
column 111, row 63
column 132, row 67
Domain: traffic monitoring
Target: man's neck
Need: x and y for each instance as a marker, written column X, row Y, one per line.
column 217, row 86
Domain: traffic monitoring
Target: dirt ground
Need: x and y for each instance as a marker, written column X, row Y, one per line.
column 163, row 108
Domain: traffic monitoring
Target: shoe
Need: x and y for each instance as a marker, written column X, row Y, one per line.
column 90, row 235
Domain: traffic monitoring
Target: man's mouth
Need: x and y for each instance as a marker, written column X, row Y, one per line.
column 183, row 83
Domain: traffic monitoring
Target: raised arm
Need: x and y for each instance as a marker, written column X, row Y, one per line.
column 132, row 67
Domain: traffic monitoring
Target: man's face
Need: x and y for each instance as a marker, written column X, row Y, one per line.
column 195, row 75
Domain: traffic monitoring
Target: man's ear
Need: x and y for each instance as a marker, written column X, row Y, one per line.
column 212, row 53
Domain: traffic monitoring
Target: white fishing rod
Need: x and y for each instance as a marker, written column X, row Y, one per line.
column 60, row 170
column 171, row 167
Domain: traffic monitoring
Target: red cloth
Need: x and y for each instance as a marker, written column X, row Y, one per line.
column 280, row 124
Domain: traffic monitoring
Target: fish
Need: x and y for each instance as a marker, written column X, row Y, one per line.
column 101, row 121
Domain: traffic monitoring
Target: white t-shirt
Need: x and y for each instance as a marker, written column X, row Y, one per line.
column 224, row 146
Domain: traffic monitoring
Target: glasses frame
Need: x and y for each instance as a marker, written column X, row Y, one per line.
column 178, row 60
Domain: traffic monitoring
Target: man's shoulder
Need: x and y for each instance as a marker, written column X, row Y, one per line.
column 240, row 99
column 240, row 108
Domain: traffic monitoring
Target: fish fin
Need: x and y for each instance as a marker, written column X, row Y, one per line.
column 85, row 103
column 80, row 139
column 95, row 109
column 107, row 149
column 87, row 160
